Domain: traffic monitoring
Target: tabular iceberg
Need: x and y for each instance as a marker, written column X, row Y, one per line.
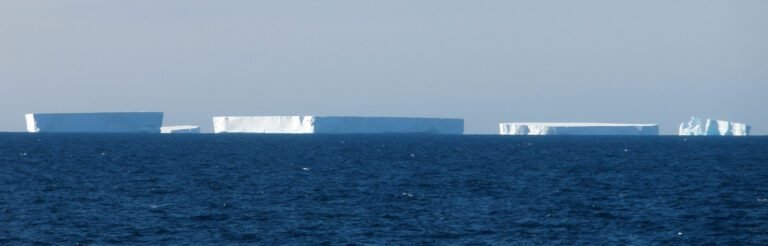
column 117, row 122
column 710, row 127
column 573, row 128
column 180, row 129
column 336, row 125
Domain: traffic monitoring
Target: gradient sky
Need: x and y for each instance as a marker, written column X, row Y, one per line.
column 485, row 61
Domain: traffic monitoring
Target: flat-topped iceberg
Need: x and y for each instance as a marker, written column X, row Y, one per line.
column 577, row 128
column 710, row 127
column 117, row 122
column 336, row 125
column 180, row 129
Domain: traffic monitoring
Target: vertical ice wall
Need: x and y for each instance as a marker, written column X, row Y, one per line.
column 263, row 124
column 366, row 125
column 112, row 122
column 577, row 128
column 336, row 125
column 709, row 127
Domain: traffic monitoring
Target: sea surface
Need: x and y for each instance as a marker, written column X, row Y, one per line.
column 69, row 189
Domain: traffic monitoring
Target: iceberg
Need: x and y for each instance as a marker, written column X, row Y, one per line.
column 117, row 122
column 180, row 129
column 710, row 127
column 335, row 125
column 577, row 128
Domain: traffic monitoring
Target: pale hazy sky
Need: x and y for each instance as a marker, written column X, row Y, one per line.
column 657, row 61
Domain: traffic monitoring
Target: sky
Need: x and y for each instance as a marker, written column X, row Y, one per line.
column 655, row 61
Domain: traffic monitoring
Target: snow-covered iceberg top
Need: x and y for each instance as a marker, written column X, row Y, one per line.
column 180, row 129
column 710, row 127
column 576, row 128
column 111, row 122
column 336, row 125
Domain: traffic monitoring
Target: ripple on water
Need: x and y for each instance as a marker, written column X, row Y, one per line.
column 379, row 190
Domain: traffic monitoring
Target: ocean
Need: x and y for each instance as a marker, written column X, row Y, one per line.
column 70, row 189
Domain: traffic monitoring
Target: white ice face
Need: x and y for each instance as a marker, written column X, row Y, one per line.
column 336, row 125
column 264, row 124
column 691, row 128
column 117, row 122
column 697, row 127
column 577, row 128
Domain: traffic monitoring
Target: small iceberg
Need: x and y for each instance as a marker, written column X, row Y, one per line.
column 180, row 129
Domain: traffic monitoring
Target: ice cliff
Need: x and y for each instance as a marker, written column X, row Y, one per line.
column 710, row 127
column 336, row 125
column 180, row 129
column 117, row 122
column 569, row 128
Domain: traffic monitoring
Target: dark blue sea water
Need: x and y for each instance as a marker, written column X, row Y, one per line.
column 381, row 189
